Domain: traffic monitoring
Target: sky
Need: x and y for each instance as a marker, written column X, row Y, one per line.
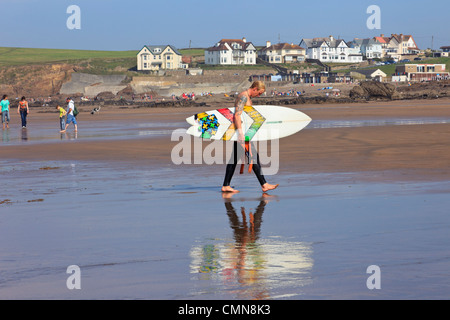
column 131, row 24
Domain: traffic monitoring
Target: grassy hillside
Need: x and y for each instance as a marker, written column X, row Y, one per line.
column 26, row 56
column 91, row 61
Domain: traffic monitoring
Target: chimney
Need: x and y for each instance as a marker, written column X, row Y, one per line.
column 245, row 40
column 382, row 35
column 268, row 44
column 331, row 38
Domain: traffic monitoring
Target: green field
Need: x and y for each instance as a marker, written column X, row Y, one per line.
column 26, row 56
column 91, row 61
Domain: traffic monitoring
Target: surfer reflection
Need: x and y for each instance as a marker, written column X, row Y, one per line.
column 250, row 266
column 246, row 258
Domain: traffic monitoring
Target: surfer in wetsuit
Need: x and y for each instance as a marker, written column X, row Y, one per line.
column 244, row 99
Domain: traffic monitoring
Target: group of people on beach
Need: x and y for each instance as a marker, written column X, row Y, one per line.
column 66, row 117
column 22, row 110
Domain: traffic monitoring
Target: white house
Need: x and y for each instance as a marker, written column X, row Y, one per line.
column 330, row 50
column 167, row 57
column 282, row 53
column 369, row 74
column 398, row 46
column 369, row 48
column 231, row 52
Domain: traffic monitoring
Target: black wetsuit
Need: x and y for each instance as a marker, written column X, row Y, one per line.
column 238, row 152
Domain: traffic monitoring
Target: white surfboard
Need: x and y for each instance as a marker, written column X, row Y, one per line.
column 260, row 123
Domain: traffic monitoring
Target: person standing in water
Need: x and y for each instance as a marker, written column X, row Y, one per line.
column 4, row 104
column 70, row 115
column 62, row 114
column 242, row 100
column 23, row 111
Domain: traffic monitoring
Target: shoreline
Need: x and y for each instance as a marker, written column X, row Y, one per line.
column 412, row 151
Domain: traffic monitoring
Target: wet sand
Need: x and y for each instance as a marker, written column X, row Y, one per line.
column 362, row 185
column 416, row 151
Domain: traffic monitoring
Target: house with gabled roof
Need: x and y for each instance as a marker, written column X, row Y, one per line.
column 398, row 46
column 231, row 52
column 164, row 57
column 330, row 50
column 282, row 53
column 370, row 48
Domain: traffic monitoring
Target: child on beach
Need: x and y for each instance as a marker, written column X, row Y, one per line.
column 62, row 114
column 5, row 111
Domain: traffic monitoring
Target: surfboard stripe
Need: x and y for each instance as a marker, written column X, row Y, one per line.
column 258, row 121
column 232, row 128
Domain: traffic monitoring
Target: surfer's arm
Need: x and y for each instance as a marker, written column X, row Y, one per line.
column 239, row 107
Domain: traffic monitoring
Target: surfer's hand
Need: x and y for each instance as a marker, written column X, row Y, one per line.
column 241, row 138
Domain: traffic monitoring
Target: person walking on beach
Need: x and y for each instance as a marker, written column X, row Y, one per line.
column 62, row 114
column 23, row 111
column 244, row 99
column 70, row 115
column 5, row 111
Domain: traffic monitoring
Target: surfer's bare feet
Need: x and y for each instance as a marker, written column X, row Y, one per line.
column 227, row 195
column 267, row 187
column 229, row 189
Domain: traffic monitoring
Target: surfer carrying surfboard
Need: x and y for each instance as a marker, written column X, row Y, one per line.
column 240, row 146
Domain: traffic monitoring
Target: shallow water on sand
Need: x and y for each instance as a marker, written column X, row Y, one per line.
column 116, row 130
column 168, row 233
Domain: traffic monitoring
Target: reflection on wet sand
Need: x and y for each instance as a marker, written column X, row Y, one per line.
column 247, row 266
column 69, row 136
column 24, row 134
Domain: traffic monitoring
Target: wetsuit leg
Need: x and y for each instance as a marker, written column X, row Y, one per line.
column 257, row 169
column 231, row 166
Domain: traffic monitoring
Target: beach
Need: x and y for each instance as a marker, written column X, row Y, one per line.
column 364, row 184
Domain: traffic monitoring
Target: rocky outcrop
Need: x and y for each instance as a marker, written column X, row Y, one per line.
column 374, row 90
column 91, row 85
column 38, row 81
